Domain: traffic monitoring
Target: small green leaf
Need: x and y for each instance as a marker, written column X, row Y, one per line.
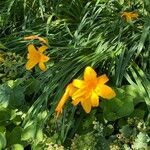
column 39, row 135
column 33, row 86
column 139, row 113
column 13, row 97
column 5, row 116
column 133, row 90
column 2, row 129
column 126, row 131
column 4, row 95
column 15, row 136
column 17, row 147
column 108, row 130
column 118, row 107
column 29, row 132
column 2, row 46
column 17, row 97
column 141, row 142
column 2, row 141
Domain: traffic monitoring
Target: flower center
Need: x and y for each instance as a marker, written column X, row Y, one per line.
column 43, row 58
column 91, row 84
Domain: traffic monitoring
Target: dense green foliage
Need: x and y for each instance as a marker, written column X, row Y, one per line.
column 80, row 33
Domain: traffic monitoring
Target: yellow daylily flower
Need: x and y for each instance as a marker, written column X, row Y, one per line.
column 36, row 37
column 129, row 16
column 36, row 56
column 87, row 91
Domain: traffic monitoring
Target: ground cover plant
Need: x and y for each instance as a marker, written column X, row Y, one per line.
column 75, row 74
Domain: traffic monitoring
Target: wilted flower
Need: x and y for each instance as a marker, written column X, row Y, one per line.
column 129, row 16
column 36, row 37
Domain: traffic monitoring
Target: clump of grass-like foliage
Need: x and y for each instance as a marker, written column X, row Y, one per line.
column 80, row 33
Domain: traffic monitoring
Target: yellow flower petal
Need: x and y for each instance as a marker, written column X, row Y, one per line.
column 79, row 93
column 33, row 56
column 31, row 63
column 42, row 48
column 32, row 37
column 94, row 99
column 68, row 92
column 78, row 83
column 129, row 16
column 42, row 66
column 44, row 58
column 33, row 53
column 77, row 101
column 62, row 103
column 105, row 92
column 102, row 79
column 71, row 89
column 36, row 37
column 31, row 47
column 86, row 104
column 89, row 74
